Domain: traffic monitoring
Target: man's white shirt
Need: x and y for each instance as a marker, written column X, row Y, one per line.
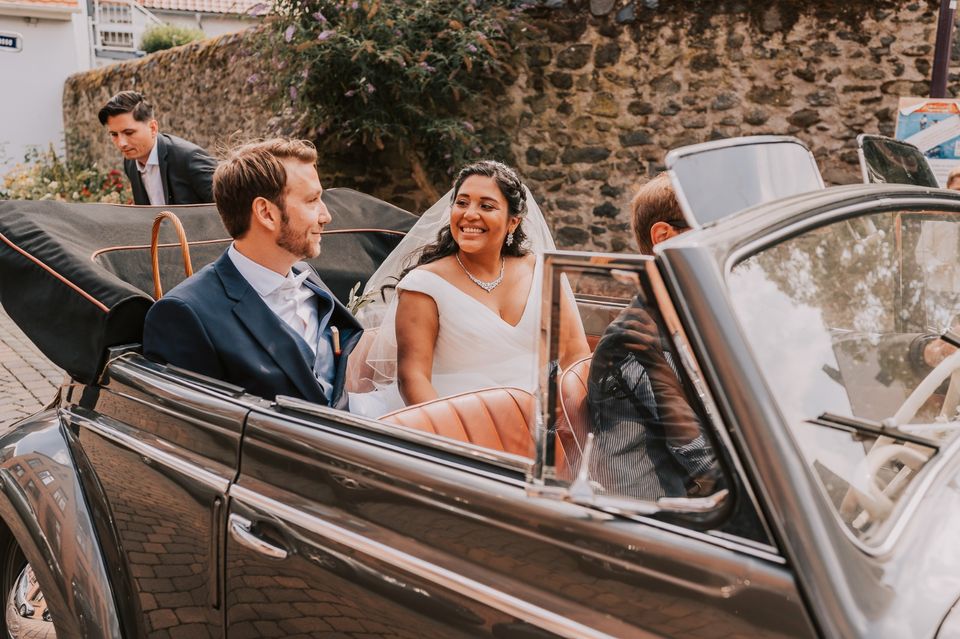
column 287, row 296
column 150, row 174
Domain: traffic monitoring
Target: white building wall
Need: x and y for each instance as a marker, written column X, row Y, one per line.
column 31, row 111
column 211, row 25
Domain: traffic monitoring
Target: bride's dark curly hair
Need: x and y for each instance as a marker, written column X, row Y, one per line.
column 512, row 189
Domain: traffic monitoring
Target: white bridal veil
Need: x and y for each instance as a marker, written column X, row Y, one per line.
column 379, row 314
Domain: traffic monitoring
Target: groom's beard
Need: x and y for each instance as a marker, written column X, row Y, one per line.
column 298, row 243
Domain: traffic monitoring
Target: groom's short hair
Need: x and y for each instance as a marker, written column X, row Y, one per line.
column 255, row 170
column 655, row 201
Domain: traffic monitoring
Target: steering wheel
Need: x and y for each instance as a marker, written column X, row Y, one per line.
column 873, row 497
column 949, row 367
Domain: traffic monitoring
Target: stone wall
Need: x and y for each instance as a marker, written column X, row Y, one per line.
column 604, row 90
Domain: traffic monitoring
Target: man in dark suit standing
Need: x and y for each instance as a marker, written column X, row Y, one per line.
column 163, row 169
column 258, row 317
column 649, row 441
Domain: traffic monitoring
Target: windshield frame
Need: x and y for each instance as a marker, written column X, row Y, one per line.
column 893, row 528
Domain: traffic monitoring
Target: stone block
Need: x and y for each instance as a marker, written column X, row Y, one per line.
column 574, row 57
column 572, row 237
column 561, row 80
column 670, row 108
column 826, row 96
column 639, row 107
column 539, row 55
column 867, row 72
column 604, row 104
column 804, row 118
column 665, row 84
column 602, row 7
column 725, row 101
column 606, row 55
column 607, row 210
column 767, row 95
column 584, row 154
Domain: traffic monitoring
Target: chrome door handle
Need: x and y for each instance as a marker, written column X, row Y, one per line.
column 240, row 531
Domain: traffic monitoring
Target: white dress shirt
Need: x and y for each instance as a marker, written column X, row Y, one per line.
column 288, row 297
column 292, row 301
column 150, row 175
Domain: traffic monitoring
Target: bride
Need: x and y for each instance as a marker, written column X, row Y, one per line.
column 465, row 314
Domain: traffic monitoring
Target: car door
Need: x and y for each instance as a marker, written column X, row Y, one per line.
column 160, row 447
column 345, row 526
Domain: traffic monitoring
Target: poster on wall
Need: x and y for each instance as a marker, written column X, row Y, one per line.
column 933, row 126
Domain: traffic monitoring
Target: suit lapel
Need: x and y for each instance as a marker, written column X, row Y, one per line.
column 350, row 331
column 342, row 317
column 136, row 182
column 272, row 333
column 164, row 168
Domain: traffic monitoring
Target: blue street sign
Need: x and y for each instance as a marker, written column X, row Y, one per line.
column 10, row 41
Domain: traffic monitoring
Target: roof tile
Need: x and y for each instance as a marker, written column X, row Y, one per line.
column 204, row 6
column 43, row 3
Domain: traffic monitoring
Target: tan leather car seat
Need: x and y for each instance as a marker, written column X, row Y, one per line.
column 496, row 418
column 574, row 423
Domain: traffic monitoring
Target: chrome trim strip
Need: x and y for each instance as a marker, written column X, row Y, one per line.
column 885, row 204
column 457, row 583
column 748, row 547
column 148, row 451
column 179, row 415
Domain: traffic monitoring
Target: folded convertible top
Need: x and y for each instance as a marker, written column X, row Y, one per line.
column 77, row 279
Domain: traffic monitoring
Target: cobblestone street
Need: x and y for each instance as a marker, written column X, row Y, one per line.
column 28, row 380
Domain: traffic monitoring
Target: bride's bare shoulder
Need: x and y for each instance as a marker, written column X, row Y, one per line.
column 528, row 261
column 443, row 267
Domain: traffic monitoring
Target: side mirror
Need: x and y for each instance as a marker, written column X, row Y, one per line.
column 884, row 160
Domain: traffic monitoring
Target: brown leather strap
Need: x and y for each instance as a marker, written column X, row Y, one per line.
column 155, row 249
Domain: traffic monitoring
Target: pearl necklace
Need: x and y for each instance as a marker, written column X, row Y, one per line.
column 487, row 286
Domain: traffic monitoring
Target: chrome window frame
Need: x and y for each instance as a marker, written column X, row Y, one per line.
column 542, row 478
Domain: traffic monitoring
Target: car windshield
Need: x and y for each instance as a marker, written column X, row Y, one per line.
column 846, row 323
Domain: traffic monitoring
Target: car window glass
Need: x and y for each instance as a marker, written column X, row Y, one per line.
column 648, row 425
column 844, row 321
column 716, row 179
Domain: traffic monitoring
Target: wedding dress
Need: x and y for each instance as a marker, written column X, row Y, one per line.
column 475, row 347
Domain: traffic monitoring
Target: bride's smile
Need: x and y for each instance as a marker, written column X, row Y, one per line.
column 479, row 218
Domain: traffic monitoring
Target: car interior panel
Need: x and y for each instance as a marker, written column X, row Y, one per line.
column 495, row 418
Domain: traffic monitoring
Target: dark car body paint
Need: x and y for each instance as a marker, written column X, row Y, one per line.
column 386, row 534
column 61, row 544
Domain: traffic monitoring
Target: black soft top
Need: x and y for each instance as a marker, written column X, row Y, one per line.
column 77, row 279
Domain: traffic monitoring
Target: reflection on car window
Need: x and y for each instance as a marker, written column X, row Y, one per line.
column 845, row 322
column 648, row 428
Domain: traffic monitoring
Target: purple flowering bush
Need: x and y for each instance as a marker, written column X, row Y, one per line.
column 395, row 72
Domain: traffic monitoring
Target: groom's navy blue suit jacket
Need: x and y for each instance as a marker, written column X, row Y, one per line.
column 216, row 324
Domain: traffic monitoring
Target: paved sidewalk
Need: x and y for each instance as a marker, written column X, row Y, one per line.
column 28, row 381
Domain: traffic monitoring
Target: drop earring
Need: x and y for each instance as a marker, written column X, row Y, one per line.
column 509, row 238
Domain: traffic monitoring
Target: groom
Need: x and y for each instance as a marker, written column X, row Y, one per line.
column 258, row 317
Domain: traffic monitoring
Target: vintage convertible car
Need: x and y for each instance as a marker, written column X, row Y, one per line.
column 810, row 337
